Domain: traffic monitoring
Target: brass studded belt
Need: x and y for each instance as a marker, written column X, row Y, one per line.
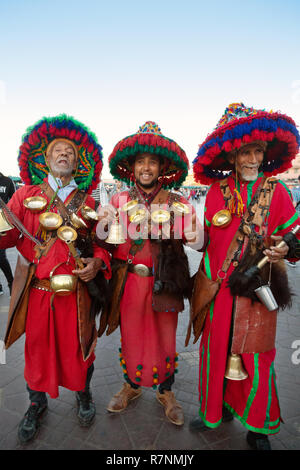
column 140, row 270
column 41, row 284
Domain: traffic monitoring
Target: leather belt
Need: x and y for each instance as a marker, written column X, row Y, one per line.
column 140, row 270
column 41, row 284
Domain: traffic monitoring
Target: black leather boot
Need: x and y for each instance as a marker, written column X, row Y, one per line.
column 86, row 408
column 258, row 441
column 29, row 425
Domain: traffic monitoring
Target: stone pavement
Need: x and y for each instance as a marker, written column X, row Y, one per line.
column 143, row 425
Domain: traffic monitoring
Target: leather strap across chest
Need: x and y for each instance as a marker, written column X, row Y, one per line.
column 255, row 214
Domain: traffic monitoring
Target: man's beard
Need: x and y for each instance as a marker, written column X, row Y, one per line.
column 248, row 178
column 61, row 172
column 150, row 185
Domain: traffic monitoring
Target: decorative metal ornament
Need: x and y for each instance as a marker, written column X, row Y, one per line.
column 222, row 218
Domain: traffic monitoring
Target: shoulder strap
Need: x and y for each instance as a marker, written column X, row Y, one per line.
column 73, row 204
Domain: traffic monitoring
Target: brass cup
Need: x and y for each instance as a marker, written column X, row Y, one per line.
column 5, row 226
column 62, row 284
column 138, row 216
column 50, row 220
column 35, row 203
column 160, row 216
column 89, row 214
column 77, row 221
column 180, row 208
column 130, row 206
column 222, row 218
column 67, row 234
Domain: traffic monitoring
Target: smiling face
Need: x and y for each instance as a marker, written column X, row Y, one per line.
column 247, row 161
column 62, row 158
column 146, row 170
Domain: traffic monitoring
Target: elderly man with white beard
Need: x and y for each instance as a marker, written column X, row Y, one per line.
column 60, row 161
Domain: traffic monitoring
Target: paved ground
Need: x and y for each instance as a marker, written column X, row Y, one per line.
column 143, row 425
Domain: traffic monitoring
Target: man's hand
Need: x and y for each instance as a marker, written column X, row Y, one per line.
column 194, row 234
column 90, row 270
column 275, row 254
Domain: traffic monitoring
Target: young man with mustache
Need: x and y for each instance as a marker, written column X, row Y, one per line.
column 247, row 212
column 155, row 270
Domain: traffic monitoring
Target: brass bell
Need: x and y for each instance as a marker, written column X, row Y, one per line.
column 116, row 235
column 4, row 224
column 235, row 369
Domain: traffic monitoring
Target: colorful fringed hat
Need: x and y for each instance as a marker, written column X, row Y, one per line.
column 31, row 159
column 149, row 139
column 240, row 126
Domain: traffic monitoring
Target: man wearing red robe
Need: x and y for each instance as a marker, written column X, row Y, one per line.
column 239, row 158
column 152, row 291
column 60, row 335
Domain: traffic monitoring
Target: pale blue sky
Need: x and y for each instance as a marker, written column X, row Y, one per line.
column 114, row 65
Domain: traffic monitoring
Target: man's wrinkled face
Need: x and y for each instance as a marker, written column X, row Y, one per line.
column 62, row 159
column 146, row 170
column 247, row 161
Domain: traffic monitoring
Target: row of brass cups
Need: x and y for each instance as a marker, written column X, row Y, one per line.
column 137, row 215
column 60, row 284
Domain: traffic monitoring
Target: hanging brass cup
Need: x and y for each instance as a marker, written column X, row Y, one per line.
column 88, row 213
column 62, row 284
column 50, row 221
column 180, row 208
column 234, row 368
column 138, row 216
column 5, row 226
column 222, row 218
column 160, row 216
column 130, row 206
column 77, row 221
column 35, row 203
column 67, row 234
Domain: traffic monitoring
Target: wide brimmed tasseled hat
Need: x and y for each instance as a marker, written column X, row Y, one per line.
column 239, row 126
column 149, row 139
column 39, row 137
